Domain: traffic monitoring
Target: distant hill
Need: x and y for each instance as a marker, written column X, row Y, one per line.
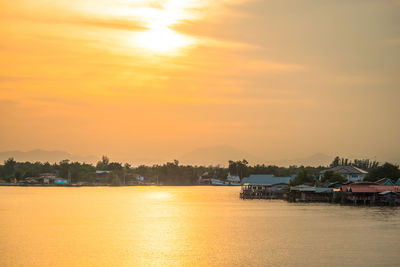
column 222, row 154
column 217, row 155
column 318, row 159
column 44, row 156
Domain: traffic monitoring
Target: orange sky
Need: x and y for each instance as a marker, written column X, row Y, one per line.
column 157, row 79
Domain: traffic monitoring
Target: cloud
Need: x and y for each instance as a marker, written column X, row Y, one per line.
column 14, row 79
column 111, row 23
column 119, row 24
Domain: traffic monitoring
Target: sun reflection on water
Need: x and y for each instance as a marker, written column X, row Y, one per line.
column 159, row 195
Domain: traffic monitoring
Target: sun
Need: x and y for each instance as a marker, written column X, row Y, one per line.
column 162, row 40
column 159, row 36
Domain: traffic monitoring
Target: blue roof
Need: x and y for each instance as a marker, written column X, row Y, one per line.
column 397, row 182
column 323, row 190
column 307, row 188
column 388, row 182
column 265, row 179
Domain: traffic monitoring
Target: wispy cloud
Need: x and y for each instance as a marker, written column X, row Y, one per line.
column 14, row 79
column 111, row 23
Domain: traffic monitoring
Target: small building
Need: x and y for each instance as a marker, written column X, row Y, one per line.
column 264, row 186
column 351, row 173
column 60, row 181
column 368, row 193
column 265, row 179
column 102, row 175
column 252, row 191
column 47, row 178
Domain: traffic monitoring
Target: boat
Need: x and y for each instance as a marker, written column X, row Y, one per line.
column 232, row 180
column 207, row 179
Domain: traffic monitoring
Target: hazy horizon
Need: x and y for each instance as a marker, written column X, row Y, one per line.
column 205, row 156
column 160, row 79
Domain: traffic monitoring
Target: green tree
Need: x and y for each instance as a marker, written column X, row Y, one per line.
column 115, row 180
column 238, row 168
column 335, row 162
column 333, row 177
column 387, row 170
column 103, row 164
column 303, row 178
column 9, row 168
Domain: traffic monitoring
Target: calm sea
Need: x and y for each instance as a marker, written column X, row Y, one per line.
column 188, row 226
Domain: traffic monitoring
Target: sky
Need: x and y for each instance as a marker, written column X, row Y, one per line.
column 158, row 79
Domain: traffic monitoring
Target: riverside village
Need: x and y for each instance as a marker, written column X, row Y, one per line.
column 358, row 182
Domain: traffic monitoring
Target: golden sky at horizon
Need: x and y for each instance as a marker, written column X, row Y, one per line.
column 277, row 79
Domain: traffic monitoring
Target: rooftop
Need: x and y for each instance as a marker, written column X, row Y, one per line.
column 307, row 188
column 265, row 179
column 385, row 181
column 345, row 170
column 370, row 188
column 101, row 172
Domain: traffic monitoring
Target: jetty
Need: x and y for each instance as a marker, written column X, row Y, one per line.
column 264, row 186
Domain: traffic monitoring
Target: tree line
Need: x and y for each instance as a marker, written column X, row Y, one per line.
column 173, row 173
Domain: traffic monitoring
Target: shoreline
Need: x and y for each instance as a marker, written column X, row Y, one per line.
column 105, row 185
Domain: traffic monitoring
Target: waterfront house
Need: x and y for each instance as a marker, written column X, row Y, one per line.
column 367, row 193
column 310, row 193
column 252, row 191
column 351, row 173
column 47, row 178
column 43, row 178
column 264, row 186
column 265, row 179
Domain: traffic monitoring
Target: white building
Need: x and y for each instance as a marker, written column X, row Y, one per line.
column 351, row 173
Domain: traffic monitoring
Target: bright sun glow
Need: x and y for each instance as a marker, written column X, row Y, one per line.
column 159, row 37
column 159, row 195
column 161, row 40
column 158, row 19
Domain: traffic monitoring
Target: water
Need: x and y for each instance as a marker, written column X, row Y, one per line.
column 185, row 226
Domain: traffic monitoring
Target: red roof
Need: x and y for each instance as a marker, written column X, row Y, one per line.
column 362, row 189
column 370, row 188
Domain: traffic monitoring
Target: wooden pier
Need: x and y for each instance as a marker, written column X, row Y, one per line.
column 276, row 191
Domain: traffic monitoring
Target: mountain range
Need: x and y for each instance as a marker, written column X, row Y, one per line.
column 45, row 156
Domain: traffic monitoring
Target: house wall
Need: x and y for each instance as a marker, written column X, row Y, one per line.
column 354, row 177
column 349, row 177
